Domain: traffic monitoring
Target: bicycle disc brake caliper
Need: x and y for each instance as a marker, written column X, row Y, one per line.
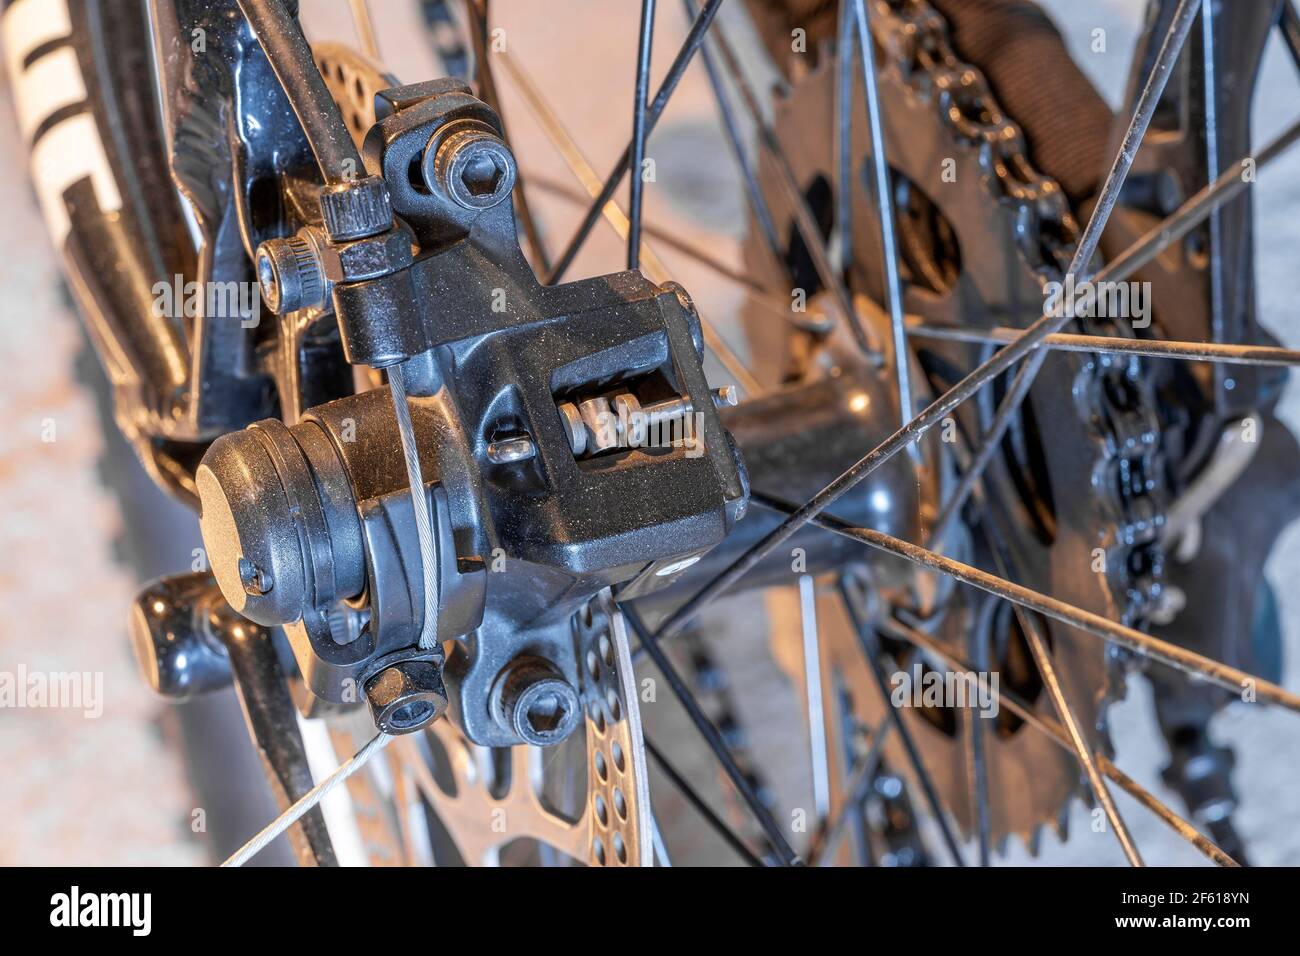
column 567, row 437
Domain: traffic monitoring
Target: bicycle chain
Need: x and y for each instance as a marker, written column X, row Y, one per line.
column 1115, row 397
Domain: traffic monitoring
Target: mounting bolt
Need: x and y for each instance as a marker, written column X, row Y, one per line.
column 406, row 696
column 532, row 699
column 290, row 274
column 472, row 165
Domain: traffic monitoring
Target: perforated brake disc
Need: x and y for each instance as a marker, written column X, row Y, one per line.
column 486, row 804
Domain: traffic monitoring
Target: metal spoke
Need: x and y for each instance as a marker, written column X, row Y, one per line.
column 1080, row 262
column 804, row 220
column 661, row 848
column 1229, row 354
column 1181, row 222
column 819, row 756
column 807, row 322
column 487, row 86
column 987, row 447
column 1043, row 660
column 979, row 769
column 1189, row 662
column 684, row 56
column 694, row 799
column 885, row 213
column 365, row 26
column 826, row 837
column 713, row 738
column 1290, row 26
column 1212, row 169
column 844, row 134
column 753, row 192
column 582, row 170
column 1061, row 704
column 642, row 92
column 871, row 652
column 1046, row 725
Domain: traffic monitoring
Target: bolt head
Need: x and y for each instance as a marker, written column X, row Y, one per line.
column 289, row 274
column 533, row 700
column 406, row 696
column 472, row 166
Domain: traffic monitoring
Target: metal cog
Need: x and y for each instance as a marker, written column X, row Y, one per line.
column 981, row 231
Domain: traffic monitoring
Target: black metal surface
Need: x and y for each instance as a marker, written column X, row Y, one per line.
column 495, row 353
column 178, row 628
column 274, row 24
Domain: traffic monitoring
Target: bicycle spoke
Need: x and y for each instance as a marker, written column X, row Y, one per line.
column 1189, row 662
column 804, row 220
column 683, row 59
column 487, row 86
column 1229, row 354
column 1082, row 751
column 826, row 837
column 1042, row 660
column 653, row 267
column 989, row 443
column 642, row 92
column 979, row 769
column 871, row 652
column 1181, row 222
column 661, row 848
column 365, row 26
column 713, row 738
column 844, row 178
column 1210, row 130
column 1080, row 261
column 1046, row 725
column 694, row 799
column 819, row 756
column 885, row 213
column 753, row 193
column 1061, row 704
column 807, row 322
column 1290, row 26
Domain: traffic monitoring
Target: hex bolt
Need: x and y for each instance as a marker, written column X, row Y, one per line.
column 471, row 165
column 726, row 396
column 290, row 274
column 509, row 450
column 406, row 696
column 532, row 699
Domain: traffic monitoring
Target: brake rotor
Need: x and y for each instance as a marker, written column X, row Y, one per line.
column 587, row 799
